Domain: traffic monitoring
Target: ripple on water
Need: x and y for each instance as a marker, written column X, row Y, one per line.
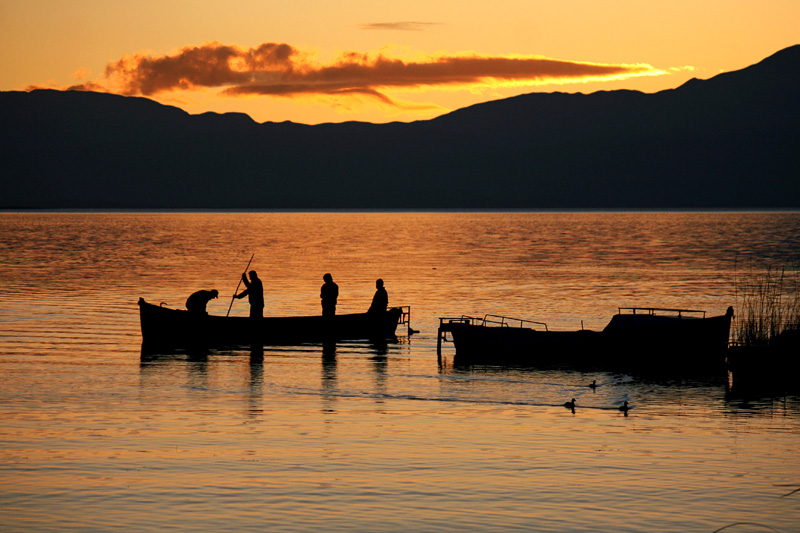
column 94, row 437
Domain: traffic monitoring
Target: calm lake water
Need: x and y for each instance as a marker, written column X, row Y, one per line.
column 93, row 437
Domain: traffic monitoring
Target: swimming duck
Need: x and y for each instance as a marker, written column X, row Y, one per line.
column 624, row 407
column 570, row 404
column 593, row 384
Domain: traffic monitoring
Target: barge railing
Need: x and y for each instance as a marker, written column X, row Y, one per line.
column 405, row 318
column 446, row 325
column 653, row 310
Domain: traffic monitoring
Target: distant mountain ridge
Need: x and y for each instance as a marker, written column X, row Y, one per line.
column 732, row 141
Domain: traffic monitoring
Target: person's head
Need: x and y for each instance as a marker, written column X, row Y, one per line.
column 378, row 283
column 253, row 275
column 327, row 278
column 214, row 293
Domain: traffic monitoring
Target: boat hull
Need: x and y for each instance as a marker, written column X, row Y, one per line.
column 163, row 327
column 526, row 346
column 639, row 343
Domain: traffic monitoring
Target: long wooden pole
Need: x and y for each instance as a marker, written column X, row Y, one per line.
column 239, row 285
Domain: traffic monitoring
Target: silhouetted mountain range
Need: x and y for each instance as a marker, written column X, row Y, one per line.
column 732, row 141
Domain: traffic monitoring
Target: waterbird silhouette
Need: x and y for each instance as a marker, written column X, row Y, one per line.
column 570, row 404
column 624, row 407
column 593, row 384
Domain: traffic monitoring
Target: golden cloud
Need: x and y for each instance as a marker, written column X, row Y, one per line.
column 281, row 70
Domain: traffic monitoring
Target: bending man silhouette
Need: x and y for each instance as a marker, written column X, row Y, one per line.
column 329, row 294
column 381, row 299
column 196, row 303
column 255, row 293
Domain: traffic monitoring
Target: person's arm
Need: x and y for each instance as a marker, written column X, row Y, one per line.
column 241, row 294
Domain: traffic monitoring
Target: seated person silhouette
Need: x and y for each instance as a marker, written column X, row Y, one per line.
column 196, row 303
column 381, row 299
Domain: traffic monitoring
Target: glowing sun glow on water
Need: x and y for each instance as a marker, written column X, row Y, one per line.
column 96, row 436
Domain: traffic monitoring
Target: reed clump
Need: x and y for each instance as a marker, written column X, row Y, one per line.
column 767, row 301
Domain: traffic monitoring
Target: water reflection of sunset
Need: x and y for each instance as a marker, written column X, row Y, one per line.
column 369, row 437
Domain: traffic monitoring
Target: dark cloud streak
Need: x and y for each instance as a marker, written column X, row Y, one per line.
column 399, row 26
column 278, row 69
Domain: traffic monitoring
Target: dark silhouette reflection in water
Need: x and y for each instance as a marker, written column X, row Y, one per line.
column 198, row 373
column 329, row 350
column 328, row 385
column 256, row 380
column 155, row 367
column 758, row 392
column 380, row 363
column 379, row 348
column 256, row 354
column 199, row 367
column 192, row 353
column 645, row 395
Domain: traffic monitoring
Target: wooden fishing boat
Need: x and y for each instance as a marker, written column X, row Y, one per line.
column 164, row 327
column 635, row 337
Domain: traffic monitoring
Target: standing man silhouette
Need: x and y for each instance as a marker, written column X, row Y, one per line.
column 329, row 294
column 255, row 292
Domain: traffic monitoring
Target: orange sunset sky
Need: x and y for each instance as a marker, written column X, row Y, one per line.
column 315, row 61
